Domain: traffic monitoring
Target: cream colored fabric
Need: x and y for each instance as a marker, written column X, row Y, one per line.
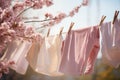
column 33, row 54
column 49, row 56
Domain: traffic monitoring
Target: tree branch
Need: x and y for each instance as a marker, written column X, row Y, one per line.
column 23, row 11
column 38, row 20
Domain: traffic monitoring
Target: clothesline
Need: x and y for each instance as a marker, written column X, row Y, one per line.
column 101, row 22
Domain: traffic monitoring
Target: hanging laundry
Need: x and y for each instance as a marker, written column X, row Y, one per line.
column 16, row 52
column 80, row 51
column 49, row 57
column 110, row 43
column 32, row 55
column 11, row 48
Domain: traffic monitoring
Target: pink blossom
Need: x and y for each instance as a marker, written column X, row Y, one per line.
column 20, row 25
column 5, row 3
column 72, row 13
column 77, row 9
column 48, row 3
column 38, row 4
column 11, row 32
column 4, row 67
column 28, row 2
column 18, row 6
column 29, row 31
column 3, row 28
column 48, row 15
column 51, row 23
column 57, row 19
column 15, row 31
column 36, row 37
column 7, row 39
column 85, row 2
column 62, row 15
column 7, row 14
column 20, row 28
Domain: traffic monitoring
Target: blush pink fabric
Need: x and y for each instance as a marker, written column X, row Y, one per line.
column 16, row 52
column 21, row 64
column 110, row 43
column 80, row 51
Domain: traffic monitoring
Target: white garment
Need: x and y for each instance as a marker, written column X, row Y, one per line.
column 110, row 34
column 49, row 56
column 16, row 52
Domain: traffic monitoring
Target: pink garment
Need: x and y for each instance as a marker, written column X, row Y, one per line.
column 110, row 43
column 16, row 52
column 80, row 51
column 11, row 48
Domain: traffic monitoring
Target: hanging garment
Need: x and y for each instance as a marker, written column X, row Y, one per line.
column 80, row 51
column 110, row 43
column 49, row 56
column 16, row 52
column 32, row 55
column 11, row 48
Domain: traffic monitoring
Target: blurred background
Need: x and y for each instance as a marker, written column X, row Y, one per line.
column 101, row 72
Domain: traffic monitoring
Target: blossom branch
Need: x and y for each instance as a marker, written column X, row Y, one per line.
column 23, row 11
column 39, row 20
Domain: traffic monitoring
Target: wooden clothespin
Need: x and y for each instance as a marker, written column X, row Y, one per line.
column 102, row 19
column 71, row 25
column 48, row 32
column 115, row 16
column 61, row 31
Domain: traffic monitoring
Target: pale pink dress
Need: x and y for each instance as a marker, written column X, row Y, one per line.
column 80, row 51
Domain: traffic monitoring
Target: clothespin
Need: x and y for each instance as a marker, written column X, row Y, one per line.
column 102, row 19
column 71, row 25
column 61, row 31
column 48, row 32
column 115, row 16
